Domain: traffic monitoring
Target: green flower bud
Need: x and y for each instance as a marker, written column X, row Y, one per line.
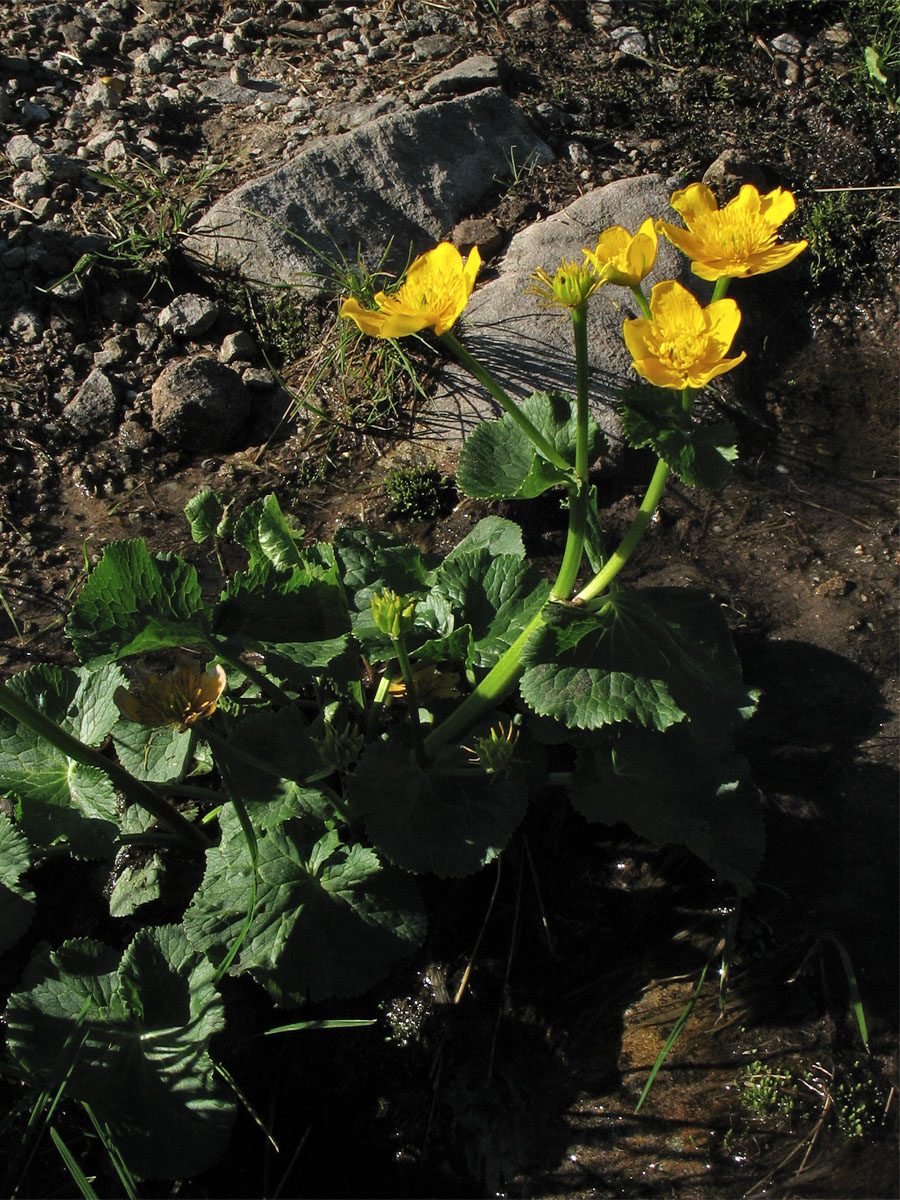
column 394, row 615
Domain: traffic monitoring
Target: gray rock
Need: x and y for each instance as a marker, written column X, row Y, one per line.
column 26, row 325
column 57, row 168
column 405, row 178
column 20, row 150
column 730, row 171
column 629, row 40
column 189, row 315
column 102, row 96
column 198, row 404
column 28, row 187
column 786, row 43
column 528, row 347
column 469, row 76
column 94, row 407
column 237, row 345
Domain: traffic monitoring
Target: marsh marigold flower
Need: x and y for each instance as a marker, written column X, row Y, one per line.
column 622, row 258
column 734, row 241
column 181, row 698
column 568, row 288
column 684, row 345
column 434, row 292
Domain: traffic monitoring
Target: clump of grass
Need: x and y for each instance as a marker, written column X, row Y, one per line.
column 148, row 215
column 418, row 493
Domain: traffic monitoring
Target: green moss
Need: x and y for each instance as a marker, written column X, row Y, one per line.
column 418, row 493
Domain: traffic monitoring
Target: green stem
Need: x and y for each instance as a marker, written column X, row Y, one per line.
column 262, row 681
column 496, row 685
column 721, row 287
column 506, row 403
column 412, row 700
column 578, row 496
column 643, row 305
column 133, row 789
column 624, row 550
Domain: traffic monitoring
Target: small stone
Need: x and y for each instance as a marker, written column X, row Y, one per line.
column 26, row 325
column 629, row 40
column 103, row 96
column 38, row 114
column 189, row 315
column 237, row 345
column 432, row 46
column 94, row 408
column 786, row 43
column 56, row 167
column 199, row 404
column 729, row 172
column 258, row 379
column 475, row 73
column 133, row 435
column 20, row 150
column 28, row 187
column 480, row 232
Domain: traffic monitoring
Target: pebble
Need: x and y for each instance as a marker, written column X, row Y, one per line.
column 189, row 315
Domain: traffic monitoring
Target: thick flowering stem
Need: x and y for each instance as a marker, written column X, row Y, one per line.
column 506, row 402
column 495, row 687
column 624, row 550
column 578, row 496
column 133, row 789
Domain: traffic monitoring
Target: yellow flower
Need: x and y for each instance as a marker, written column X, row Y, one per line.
column 734, row 241
column 181, row 698
column 622, row 258
column 568, row 288
column 684, row 345
column 435, row 291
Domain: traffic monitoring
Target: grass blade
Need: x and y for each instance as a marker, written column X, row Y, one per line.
column 78, row 1176
column 673, row 1037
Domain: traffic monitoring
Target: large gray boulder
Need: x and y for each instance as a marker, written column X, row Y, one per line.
column 403, row 179
column 527, row 347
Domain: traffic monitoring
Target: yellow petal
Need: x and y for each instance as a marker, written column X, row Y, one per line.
column 675, row 309
column 369, row 320
column 723, row 319
column 693, row 202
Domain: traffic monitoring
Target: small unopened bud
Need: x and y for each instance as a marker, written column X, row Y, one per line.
column 338, row 747
column 394, row 615
column 494, row 752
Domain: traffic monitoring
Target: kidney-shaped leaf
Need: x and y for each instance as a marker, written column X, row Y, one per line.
column 329, row 919
column 16, row 901
column 131, row 1038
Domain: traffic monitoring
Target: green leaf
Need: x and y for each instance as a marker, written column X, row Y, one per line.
column 204, row 512
column 653, row 657
column 132, row 603
column 277, row 540
column 61, row 803
column 135, row 885
column 330, row 920
column 499, row 461
column 448, row 821
column 668, row 789
column 16, row 901
column 159, row 755
column 281, row 742
column 131, row 1038
column 700, row 455
column 267, row 605
column 496, row 595
column 496, row 535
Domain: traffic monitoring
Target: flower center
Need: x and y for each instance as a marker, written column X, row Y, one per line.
column 736, row 240
column 681, row 351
